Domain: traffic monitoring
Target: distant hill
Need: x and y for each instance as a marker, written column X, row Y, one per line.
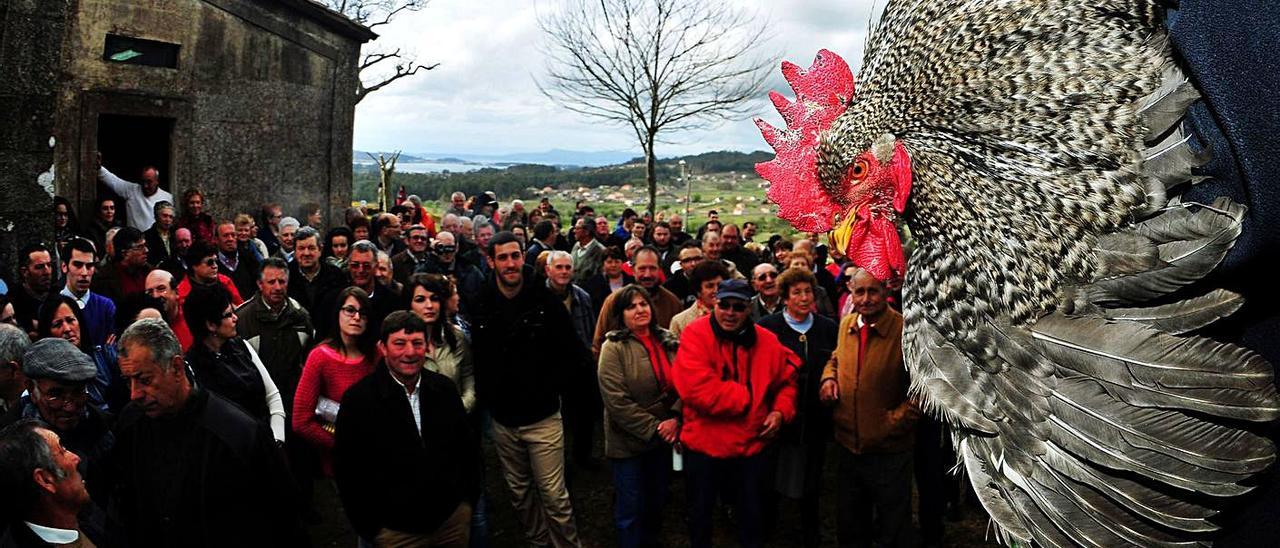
column 520, row 178
column 707, row 162
column 553, row 157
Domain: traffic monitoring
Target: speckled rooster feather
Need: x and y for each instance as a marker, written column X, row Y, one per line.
column 1050, row 296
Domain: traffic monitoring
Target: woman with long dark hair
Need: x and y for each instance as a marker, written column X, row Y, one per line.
column 65, row 224
column 224, row 363
column 447, row 350
column 337, row 243
column 641, row 414
column 333, row 366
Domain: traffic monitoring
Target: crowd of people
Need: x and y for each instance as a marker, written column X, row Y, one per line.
column 170, row 379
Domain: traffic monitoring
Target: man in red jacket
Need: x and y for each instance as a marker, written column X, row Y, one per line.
column 737, row 384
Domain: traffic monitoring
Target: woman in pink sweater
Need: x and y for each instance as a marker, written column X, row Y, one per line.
column 332, row 367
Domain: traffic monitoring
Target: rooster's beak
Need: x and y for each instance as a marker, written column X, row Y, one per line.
column 843, row 232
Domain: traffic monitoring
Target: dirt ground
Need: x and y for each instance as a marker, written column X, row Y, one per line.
column 592, row 492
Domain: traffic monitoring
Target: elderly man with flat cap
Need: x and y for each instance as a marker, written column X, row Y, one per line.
column 58, row 376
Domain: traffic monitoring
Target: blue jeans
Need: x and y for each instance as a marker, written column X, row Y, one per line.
column 640, row 489
column 743, row 481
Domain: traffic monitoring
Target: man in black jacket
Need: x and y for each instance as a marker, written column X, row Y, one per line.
column 513, row 314
column 362, row 265
column 314, row 284
column 189, row 467
column 237, row 262
column 405, row 459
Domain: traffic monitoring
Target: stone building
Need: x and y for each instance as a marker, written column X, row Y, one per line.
column 248, row 100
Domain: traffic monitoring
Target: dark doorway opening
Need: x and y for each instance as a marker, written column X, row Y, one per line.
column 129, row 144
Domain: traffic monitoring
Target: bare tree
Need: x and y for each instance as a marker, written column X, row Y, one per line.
column 386, row 169
column 380, row 66
column 658, row 66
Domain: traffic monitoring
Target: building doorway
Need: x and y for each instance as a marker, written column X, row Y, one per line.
column 129, row 144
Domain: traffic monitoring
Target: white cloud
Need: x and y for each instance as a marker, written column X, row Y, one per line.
column 483, row 99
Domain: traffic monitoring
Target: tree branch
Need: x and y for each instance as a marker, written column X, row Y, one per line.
column 654, row 65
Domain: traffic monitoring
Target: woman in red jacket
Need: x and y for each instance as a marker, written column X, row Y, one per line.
column 332, row 367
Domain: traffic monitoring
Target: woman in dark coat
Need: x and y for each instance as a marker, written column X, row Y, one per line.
column 224, row 363
column 803, row 443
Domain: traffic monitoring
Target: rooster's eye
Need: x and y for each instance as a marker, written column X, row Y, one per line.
column 859, row 170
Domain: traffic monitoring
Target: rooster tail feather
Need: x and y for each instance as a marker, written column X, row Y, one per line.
column 1182, row 316
column 1190, row 241
column 1171, row 161
column 1146, row 367
column 1164, row 109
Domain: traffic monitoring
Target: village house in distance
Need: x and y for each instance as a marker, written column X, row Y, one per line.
column 240, row 98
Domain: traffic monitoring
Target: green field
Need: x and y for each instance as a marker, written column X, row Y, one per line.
column 723, row 181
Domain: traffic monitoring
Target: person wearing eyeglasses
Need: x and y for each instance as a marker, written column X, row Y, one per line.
column 126, row 272
column 333, row 366
column 680, row 280
column 362, row 266
column 202, row 260
column 58, row 376
column 224, row 363
column 443, row 260
column 406, row 262
column 737, row 383
column 767, row 300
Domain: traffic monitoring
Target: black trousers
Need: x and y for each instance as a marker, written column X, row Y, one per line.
column 935, row 487
column 873, row 505
column 743, row 480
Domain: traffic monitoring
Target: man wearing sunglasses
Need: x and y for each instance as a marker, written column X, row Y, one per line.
column 738, row 387
column 405, row 263
column 443, row 260
column 202, row 260
column 764, row 279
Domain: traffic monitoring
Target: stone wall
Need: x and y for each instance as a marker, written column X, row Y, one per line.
column 31, row 38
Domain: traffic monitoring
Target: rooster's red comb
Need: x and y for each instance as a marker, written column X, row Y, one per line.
column 823, row 92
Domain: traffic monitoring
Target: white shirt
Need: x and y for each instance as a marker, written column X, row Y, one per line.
column 413, row 401
column 139, row 208
column 53, row 535
column 82, row 300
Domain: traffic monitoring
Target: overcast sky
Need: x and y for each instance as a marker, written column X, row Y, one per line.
column 482, row 98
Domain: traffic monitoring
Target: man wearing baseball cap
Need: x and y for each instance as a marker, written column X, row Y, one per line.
column 58, row 376
column 737, row 383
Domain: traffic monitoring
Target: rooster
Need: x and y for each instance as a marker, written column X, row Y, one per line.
column 1030, row 153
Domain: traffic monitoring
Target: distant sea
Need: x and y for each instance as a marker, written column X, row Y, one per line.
column 436, row 167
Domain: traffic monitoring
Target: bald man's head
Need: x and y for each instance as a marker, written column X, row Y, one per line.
column 869, row 296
